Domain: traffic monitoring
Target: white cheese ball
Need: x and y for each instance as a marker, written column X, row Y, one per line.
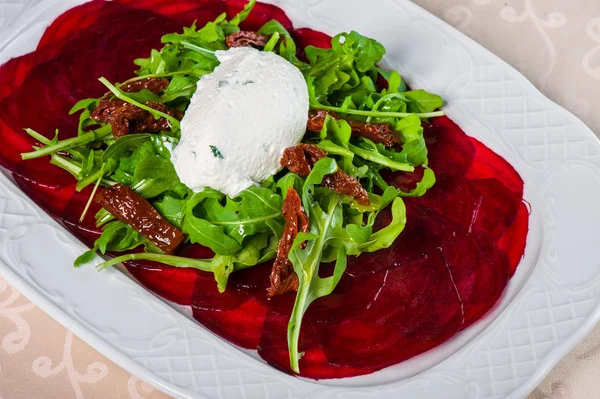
column 240, row 120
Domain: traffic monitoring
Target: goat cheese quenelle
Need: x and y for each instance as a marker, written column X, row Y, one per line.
column 240, row 120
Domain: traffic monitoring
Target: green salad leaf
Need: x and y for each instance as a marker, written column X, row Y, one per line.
column 116, row 237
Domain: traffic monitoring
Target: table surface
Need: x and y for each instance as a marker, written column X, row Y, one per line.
column 555, row 43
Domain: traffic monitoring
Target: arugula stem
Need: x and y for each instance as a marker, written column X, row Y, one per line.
column 247, row 221
column 89, row 203
column 191, row 46
column 99, row 174
column 62, row 145
column 121, row 96
column 38, row 136
column 204, row 265
column 270, row 46
column 73, row 168
column 103, row 217
column 159, row 75
column 294, row 327
column 378, row 114
column 140, row 186
column 370, row 156
column 381, row 100
column 66, row 164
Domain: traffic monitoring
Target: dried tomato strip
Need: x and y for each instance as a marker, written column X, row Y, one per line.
column 155, row 85
column 377, row 132
column 131, row 208
column 246, row 39
column 300, row 160
column 126, row 118
column 283, row 278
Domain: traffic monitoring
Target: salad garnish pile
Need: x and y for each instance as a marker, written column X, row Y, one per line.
column 320, row 208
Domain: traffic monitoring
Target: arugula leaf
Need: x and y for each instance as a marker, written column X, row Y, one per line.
column 370, row 151
column 257, row 249
column 311, row 287
column 290, row 180
column 175, row 261
column 181, row 87
column 385, row 237
column 214, row 220
column 211, row 32
column 414, row 145
column 116, row 237
column 425, row 102
column 156, row 167
column 241, row 17
column 155, row 64
column 315, row 102
column 335, row 140
column 143, row 162
column 329, row 239
column 426, row 182
column 123, row 145
column 83, row 104
column 395, row 83
column 164, row 144
column 171, row 209
column 287, row 47
column 155, row 175
column 366, row 52
column 125, row 170
column 204, row 233
column 270, row 46
column 377, row 202
column 306, row 261
column 344, row 70
column 325, row 166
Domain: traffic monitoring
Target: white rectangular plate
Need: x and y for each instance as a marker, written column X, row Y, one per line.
column 550, row 304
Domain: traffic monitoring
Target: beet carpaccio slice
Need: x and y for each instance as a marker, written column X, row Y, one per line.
column 462, row 242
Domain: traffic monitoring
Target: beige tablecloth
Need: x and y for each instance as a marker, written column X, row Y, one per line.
column 555, row 43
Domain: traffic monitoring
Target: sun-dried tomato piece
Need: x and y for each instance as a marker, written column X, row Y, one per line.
column 301, row 159
column 153, row 125
column 155, row 85
column 377, row 132
column 131, row 208
column 126, row 118
column 283, row 278
column 342, row 183
column 246, row 39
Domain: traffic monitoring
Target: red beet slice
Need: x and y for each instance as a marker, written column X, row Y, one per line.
column 307, row 37
column 513, row 242
column 236, row 316
column 462, row 241
column 14, row 72
column 413, row 307
column 174, row 284
column 261, row 14
column 314, row 364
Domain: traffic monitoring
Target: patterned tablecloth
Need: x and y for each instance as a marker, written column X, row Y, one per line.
column 555, row 43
